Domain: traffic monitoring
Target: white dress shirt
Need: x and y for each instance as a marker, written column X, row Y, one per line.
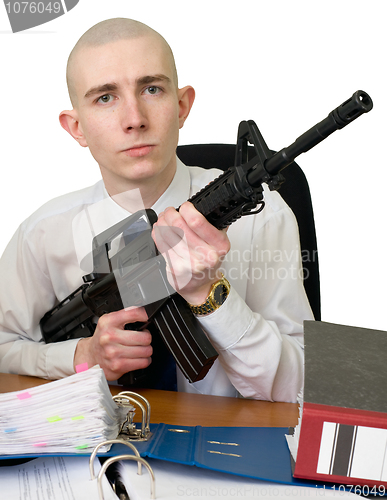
column 257, row 331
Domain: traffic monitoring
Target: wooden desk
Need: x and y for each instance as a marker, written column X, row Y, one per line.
column 178, row 408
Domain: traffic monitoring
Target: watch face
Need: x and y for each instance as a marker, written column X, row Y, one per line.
column 220, row 293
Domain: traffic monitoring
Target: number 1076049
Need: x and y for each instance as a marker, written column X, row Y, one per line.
column 33, row 7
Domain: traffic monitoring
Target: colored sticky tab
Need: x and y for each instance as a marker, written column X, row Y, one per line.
column 80, row 417
column 23, row 395
column 81, row 447
column 13, row 429
column 82, row 367
column 39, row 444
column 54, row 419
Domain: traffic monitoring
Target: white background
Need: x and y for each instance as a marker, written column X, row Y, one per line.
column 283, row 63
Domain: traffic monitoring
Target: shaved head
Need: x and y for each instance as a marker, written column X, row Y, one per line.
column 110, row 31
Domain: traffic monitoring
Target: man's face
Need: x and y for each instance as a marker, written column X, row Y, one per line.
column 128, row 110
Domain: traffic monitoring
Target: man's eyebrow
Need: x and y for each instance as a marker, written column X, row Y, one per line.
column 144, row 80
column 99, row 89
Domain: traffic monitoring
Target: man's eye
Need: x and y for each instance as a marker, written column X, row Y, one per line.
column 152, row 90
column 105, row 98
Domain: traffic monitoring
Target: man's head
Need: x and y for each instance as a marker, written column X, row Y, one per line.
column 127, row 107
column 109, row 31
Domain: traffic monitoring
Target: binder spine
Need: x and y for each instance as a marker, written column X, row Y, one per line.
column 342, row 445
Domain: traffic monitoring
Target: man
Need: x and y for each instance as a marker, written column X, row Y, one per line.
column 128, row 109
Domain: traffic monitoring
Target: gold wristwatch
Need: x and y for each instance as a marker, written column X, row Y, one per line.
column 217, row 296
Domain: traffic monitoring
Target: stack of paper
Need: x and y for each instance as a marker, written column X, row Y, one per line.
column 71, row 415
column 294, row 438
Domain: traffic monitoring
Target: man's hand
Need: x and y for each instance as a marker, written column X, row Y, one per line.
column 115, row 350
column 193, row 249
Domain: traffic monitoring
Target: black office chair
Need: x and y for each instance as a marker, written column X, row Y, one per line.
column 295, row 192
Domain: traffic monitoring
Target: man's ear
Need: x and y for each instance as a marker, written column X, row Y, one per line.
column 69, row 121
column 186, row 97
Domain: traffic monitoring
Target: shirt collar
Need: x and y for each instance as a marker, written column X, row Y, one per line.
column 178, row 191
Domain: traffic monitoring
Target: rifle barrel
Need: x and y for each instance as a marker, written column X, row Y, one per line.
column 359, row 103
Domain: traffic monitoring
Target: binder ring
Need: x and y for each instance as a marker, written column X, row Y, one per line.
column 141, row 398
column 145, row 426
column 112, row 441
column 126, row 457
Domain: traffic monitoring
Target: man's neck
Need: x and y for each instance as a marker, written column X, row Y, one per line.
column 134, row 196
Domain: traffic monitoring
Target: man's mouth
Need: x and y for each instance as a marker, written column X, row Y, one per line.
column 141, row 150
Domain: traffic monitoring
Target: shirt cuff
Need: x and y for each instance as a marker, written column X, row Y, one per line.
column 60, row 359
column 228, row 324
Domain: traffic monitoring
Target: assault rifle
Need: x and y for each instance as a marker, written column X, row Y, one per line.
column 136, row 276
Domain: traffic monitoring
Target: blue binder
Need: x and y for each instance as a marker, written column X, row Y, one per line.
column 256, row 452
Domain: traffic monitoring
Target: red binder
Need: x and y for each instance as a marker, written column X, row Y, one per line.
column 343, row 434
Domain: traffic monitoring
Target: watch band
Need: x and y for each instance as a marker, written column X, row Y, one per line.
column 217, row 296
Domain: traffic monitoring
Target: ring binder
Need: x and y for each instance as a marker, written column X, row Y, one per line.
column 204, row 447
column 342, row 432
column 126, row 457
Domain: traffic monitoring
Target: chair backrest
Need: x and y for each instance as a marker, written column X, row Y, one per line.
column 295, row 192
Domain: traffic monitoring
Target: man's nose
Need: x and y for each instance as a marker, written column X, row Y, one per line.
column 133, row 115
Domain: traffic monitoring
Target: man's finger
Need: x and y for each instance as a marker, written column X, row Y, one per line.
column 118, row 319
